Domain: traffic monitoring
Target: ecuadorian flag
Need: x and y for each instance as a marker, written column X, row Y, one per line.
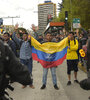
column 49, row 54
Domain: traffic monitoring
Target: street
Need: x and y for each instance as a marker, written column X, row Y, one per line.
column 73, row 92
column 51, row 32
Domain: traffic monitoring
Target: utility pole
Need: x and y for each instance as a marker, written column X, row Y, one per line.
column 71, row 14
column 12, row 17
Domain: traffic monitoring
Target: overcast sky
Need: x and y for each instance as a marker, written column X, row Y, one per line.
column 23, row 8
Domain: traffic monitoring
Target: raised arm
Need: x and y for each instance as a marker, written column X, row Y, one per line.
column 16, row 39
column 84, row 31
column 35, row 33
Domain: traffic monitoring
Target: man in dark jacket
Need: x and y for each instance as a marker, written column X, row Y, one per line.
column 6, row 37
column 10, row 65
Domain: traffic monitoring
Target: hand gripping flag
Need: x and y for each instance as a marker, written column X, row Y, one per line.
column 49, row 54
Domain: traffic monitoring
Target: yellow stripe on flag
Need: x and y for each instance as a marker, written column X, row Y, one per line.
column 49, row 47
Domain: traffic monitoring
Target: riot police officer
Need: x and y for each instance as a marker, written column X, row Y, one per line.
column 10, row 65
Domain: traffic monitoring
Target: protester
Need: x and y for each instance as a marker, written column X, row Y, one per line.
column 72, row 57
column 6, row 37
column 53, row 37
column 40, row 38
column 83, row 37
column 17, row 46
column 58, row 39
column 85, row 58
column 25, row 51
column 53, row 69
column 36, row 36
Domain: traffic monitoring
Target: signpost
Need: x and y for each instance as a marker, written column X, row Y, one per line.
column 76, row 23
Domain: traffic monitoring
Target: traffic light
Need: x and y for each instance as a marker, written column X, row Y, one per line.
column 66, row 20
column 66, row 15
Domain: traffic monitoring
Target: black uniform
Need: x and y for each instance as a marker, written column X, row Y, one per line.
column 85, row 84
column 10, row 65
column 88, row 56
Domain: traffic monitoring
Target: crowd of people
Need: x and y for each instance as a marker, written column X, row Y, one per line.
column 21, row 47
column 80, row 34
column 79, row 39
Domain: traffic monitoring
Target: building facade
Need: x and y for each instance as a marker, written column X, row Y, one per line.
column 46, row 11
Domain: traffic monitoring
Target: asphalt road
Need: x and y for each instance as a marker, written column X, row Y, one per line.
column 73, row 92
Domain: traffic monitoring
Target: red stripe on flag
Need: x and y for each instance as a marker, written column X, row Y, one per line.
column 47, row 64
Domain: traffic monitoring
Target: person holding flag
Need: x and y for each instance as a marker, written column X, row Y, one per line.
column 53, row 69
column 50, row 54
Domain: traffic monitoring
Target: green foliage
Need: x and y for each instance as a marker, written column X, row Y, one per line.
column 76, row 9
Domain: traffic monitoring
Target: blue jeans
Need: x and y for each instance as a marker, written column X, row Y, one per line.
column 28, row 63
column 53, row 72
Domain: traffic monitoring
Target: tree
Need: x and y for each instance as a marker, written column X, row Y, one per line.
column 76, row 9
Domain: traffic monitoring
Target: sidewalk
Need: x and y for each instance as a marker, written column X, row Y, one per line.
column 82, row 67
column 37, row 94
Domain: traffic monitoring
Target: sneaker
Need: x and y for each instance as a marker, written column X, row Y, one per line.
column 43, row 86
column 69, row 83
column 76, row 81
column 56, row 87
column 31, row 86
